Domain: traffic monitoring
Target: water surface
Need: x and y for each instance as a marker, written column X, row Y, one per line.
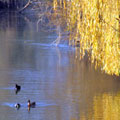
column 63, row 87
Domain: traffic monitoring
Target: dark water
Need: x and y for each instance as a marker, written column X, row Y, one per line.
column 63, row 87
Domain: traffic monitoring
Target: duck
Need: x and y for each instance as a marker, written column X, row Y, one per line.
column 31, row 104
column 17, row 87
column 17, row 105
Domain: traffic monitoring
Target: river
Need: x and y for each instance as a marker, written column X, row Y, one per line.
column 63, row 87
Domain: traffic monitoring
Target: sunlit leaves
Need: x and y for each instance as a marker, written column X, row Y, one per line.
column 95, row 26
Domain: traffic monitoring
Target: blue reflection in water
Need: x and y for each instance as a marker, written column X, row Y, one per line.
column 40, row 104
column 64, row 46
column 29, row 59
column 62, row 86
column 7, row 88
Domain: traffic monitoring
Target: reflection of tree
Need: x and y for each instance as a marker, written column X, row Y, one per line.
column 84, row 83
column 59, row 33
column 105, row 107
column 13, row 32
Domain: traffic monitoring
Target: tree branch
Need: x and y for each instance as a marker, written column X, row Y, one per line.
column 28, row 3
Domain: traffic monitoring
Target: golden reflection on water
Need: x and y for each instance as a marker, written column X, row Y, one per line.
column 95, row 27
column 105, row 107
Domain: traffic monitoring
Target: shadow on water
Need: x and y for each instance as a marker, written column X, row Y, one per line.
column 64, row 88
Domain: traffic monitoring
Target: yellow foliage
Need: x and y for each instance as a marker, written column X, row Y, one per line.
column 95, row 26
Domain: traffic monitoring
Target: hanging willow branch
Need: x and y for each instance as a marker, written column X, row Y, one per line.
column 28, row 3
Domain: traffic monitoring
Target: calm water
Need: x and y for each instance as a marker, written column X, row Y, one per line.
column 63, row 87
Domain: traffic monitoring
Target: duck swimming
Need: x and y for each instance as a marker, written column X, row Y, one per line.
column 17, row 87
column 31, row 104
column 17, row 105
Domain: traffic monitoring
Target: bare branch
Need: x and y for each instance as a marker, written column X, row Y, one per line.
column 28, row 3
